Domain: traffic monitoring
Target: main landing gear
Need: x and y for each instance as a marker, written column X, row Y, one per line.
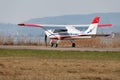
column 55, row 44
column 73, row 45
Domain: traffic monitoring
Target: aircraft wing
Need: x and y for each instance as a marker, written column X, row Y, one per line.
column 53, row 25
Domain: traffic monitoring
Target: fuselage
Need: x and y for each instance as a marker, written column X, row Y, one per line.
column 65, row 35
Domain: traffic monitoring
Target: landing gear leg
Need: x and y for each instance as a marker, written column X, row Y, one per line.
column 51, row 43
column 56, row 45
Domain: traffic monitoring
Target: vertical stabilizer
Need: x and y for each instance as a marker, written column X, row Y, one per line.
column 92, row 29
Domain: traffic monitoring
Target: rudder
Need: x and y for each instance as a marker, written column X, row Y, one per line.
column 92, row 29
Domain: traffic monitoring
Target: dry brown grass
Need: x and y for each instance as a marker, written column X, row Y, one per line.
column 92, row 42
column 58, row 69
column 1, row 40
column 116, row 42
column 9, row 40
column 21, row 40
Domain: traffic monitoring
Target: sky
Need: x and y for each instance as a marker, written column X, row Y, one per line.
column 17, row 11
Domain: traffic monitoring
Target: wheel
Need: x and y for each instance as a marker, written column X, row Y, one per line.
column 73, row 44
column 52, row 44
column 56, row 45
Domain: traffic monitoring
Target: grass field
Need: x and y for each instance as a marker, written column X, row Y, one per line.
column 51, row 54
column 58, row 65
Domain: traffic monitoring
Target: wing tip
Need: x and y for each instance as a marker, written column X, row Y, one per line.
column 22, row 24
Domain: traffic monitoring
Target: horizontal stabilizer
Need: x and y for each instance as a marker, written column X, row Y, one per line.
column 104, row 25
column 97, row 35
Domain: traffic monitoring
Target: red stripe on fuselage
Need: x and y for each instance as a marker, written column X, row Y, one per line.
column 63, row 37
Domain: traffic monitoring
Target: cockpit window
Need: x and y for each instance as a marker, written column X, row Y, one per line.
column 59, row 30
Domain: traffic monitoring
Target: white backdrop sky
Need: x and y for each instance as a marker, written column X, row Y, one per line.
column 16, row 11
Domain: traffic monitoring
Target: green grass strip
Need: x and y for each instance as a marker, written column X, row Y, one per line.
column 51, row 54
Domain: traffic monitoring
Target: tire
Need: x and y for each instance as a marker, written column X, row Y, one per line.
column 73, row 44
column 52, row 44
column 56, row 45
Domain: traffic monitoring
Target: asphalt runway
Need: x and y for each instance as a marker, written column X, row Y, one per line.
column 58, row 48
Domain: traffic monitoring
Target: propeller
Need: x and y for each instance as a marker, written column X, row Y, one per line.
column 45, row 39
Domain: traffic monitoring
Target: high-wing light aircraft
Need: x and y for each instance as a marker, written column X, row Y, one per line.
column 70, row 32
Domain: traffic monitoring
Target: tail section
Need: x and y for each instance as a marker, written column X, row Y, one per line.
column 92, row 29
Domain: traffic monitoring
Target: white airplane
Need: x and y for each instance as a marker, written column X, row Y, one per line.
column 70, row 32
